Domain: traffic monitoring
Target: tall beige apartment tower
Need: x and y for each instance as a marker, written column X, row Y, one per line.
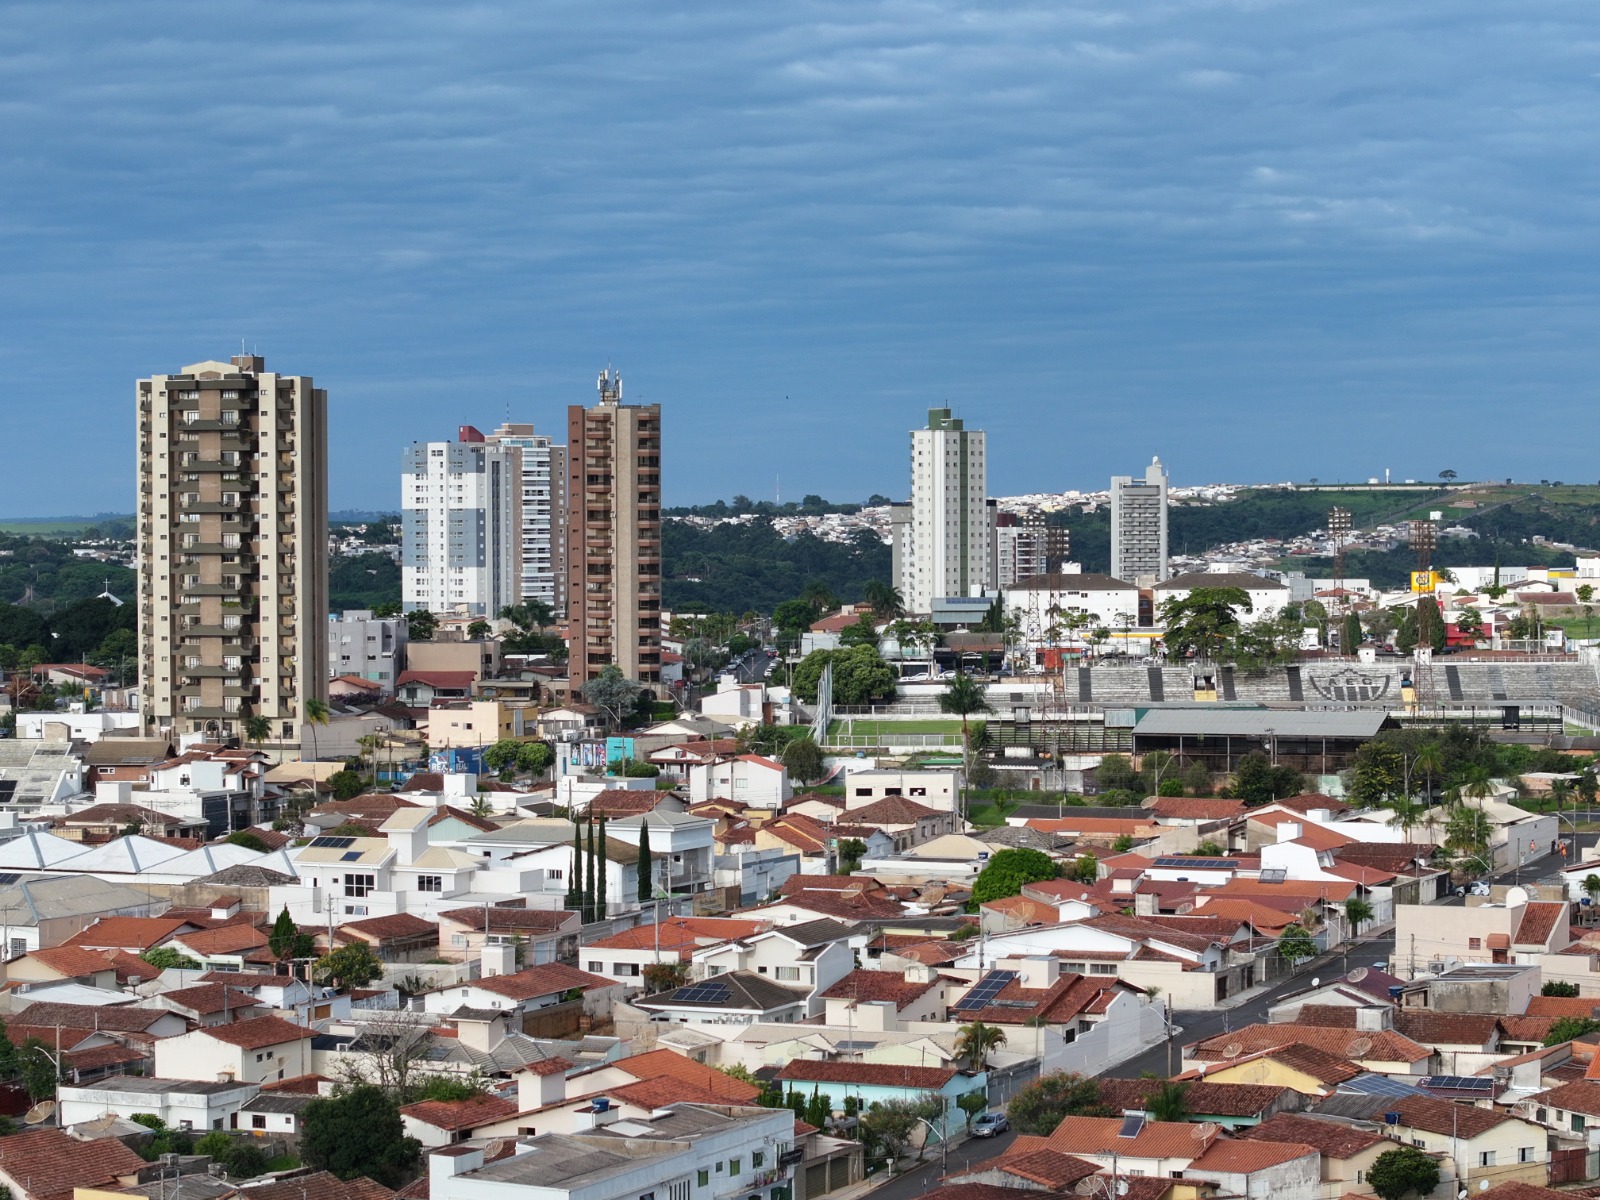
column 233, row 549
column 614, row 537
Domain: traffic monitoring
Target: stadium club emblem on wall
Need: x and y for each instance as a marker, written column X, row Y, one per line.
column 1350, row 685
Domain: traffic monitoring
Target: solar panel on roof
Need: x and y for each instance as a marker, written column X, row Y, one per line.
column 333, row 843
column 704, row 993
column 350, row 856
column 1209, row 864
column 1132, row 1125
column 1275, row 875
column 1459, row 1083
column 985, row 990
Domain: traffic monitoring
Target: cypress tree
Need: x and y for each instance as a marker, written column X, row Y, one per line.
column 588, row 892
column 575, row 888
column 600, row 906
column 1350, row 639
column 647, row 889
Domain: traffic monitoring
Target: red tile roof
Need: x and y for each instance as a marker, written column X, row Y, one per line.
column 455, row 1115
column 320, row 1185
column 1563, row 1006
column 510, row 920
column 127, row 933
column 208, row 998
column 396, row 927
column 1582, row 1096
column 1538, row 921
column 1157, row 1139
column 544, row 980
column 74, row 962
column 867, row 986
column 225, row 939
column 1333, row 1138
column 48, row 1163
column 1050, row 1169
column 1379, row 1045
column 1445, row 1117
column 803, row 1070
column 1202, row 1098
column 1231, row 1157
column 668, row 1064
column 259, row 1032
column 1184, row 808
column 891, row 810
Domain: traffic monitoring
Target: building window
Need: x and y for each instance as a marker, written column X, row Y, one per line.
column 1486, row 1158
column 359, row 885
column 733, row 1166
column 596, row 968
column 789, row 973
column 1474, row 943
column 458, row 939
column 1525, row 1154
column 702, row 1179
column 430, row 883
column 757, row 1158
column 257, row 1121
column 1579, row 1123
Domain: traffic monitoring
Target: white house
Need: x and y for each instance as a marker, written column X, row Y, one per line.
column 182, row 1103
column 749, row 780
column 812, row 956
column 526, row 991
column 1266, row 596
column 260, row 1050
column 933, row 789
column 1060, row 601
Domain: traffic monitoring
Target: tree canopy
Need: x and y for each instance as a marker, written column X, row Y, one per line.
column 860, row 675
column 358, row 1132
column 1403, row 1170
column 1008, row 870
column 1038, row 1108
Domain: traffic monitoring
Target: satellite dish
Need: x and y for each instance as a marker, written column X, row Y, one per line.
column 1359, row 1048
column 1516, row 897
column 1203, row 1131
column 1122, row 1187
column 1233, row 1050
column 39, row 1113
column 1357, row 975
column 1316, row 981
column 1483, row 1185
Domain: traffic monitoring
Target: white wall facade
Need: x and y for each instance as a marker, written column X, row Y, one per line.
column 461, row 521
column 950, row 538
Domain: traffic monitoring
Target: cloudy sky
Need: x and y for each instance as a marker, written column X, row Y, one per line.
column 1266, row 239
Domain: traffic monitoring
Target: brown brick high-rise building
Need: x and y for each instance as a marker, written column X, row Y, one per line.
column 233, row 549
column 614, row 537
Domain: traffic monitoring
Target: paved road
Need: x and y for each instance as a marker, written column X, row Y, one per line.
column 911, row 1184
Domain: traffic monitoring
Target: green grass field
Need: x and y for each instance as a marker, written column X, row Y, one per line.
column 46, row 527
column 871, row 728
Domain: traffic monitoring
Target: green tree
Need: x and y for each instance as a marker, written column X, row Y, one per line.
column 1007, row 871
column 803, row 759
column 664, row 976
column 165, row 958
column 647, row 878
column 353, row 966
column 257, row 729
column 346, row 785
column 819, row 1108
column 1169, row 1102
column 316, row 713
column 972, row 1105
column 1567, row 1028
column 1350, row 634
column 1116, row 774
column 1204, row 623
column 1039, row 1107
column 863, row 633
column 1466, row 837
column 851, row 852
column 249, row 839
column 602, row 909
column 358, row 1132
column 975, row 1041
column 421, row 625
column 1295, row 944
column 860, row 675
column 890, row 1123
column 885, row 599
column 40, row 1075
column 1470, row 622
column 1401, row 1171
column 1357, row 912
column 1084, row 869
column 286, row 941
column 1591, row 886
column 1123, row 844
column 1377, row 774
column 1257, row 781
column 613, row 693
column 1559, row 987
column 478, row 630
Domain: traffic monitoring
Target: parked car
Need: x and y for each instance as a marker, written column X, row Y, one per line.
column 991, row 1124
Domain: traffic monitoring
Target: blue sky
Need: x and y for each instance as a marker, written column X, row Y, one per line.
column 1265, row 239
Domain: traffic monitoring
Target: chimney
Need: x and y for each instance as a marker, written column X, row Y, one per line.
column 919, row 973
column 600, row 1112
column 1145, row 904
column 1289, row 830
column 482, row 1036
column 454, row 1160
column 1374, row 1018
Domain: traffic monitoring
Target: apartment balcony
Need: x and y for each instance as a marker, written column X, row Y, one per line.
column 208, row 464
column 214, row 589
column 211, row 506
column 214, row 427
column 215, row 671
column 211, row 548
column 209, row 713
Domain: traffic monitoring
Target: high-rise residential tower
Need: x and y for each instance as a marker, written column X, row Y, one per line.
column 461, row 526
column 614, row 537
column 233, row 549
column 944, row 541
column 544, row 514
column 1139, row 525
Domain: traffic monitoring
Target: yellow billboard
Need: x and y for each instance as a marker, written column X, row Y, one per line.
column 1424, row 581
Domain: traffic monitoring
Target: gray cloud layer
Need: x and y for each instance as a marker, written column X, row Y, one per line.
column 1264, row 238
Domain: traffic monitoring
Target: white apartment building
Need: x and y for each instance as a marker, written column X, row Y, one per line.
column 461, row 522
column 367, row 646
column 1139, row 525
column 943, row 541
column 543, row 547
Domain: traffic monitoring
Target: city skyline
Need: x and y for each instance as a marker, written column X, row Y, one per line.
column 1296, row 241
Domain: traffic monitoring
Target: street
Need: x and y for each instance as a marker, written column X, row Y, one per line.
column 908, row 1185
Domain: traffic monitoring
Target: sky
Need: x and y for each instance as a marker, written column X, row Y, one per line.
column 1265, row 239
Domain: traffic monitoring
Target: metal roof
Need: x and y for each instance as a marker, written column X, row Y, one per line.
column 1254, row 722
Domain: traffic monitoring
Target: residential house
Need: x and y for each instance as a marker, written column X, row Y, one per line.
column 526, row 991
column 46, row 1164
column 47, row 912
column 1234, row 1106
column 933, row 789
column 194, row 1104
column 1571, row 1112
column 622, row 957
column 1477, row 1144
column 1306, row 1069
column 211, row 1004
column 1282, row 1170
column 545, row 935
column 251, row 1051
column 749, row 780
column 737, row 997
column 400, row 938
column 1133, row 1147
column 1382, row 1051
column 810, row 957
column 1347, row 1152
column 891, row 998
column 908, row 822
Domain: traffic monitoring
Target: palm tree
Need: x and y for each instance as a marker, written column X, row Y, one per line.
column 257, row 730
column 1429, row 762
column 316, row 714
column 1591, row 885
column 1408, row 814
column 1560, row 793
column 964, row 695
column 1479, row 784
column 975, row 1041
column 886, row 601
